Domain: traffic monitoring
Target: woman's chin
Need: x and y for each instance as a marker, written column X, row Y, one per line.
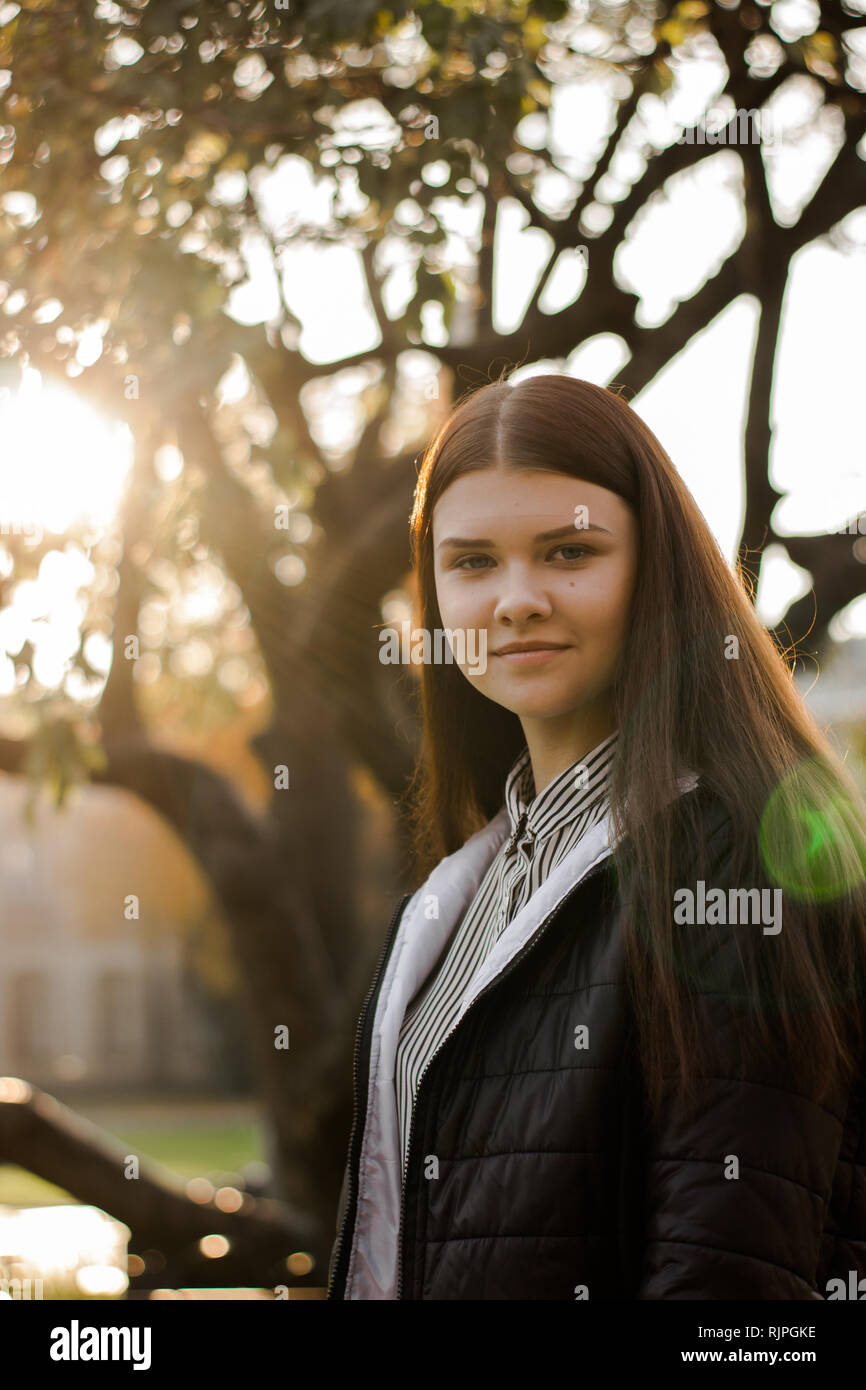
column 540, row 705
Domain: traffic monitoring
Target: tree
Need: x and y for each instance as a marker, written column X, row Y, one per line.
column 139, row 145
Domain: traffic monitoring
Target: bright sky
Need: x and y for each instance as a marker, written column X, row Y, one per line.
column 60, row 461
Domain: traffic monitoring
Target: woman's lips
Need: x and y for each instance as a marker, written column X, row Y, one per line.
column 531, row 658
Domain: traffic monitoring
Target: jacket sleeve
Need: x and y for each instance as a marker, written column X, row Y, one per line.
column 737, row 1189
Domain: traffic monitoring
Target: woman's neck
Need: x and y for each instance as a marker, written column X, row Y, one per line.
column 555, row 744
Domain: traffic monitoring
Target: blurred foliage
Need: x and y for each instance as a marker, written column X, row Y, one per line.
column 135, row 133
column 60, row 757
column 136, row 136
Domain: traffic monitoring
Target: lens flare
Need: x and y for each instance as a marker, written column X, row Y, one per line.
column 810, row 837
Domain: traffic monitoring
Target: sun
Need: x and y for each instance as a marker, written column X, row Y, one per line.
column 61, row 463
column 63, row 472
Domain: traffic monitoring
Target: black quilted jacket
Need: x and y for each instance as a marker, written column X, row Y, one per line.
column 533, row 1173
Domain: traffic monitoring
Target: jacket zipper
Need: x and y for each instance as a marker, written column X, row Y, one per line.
column 362, row 1023
column 533, row 941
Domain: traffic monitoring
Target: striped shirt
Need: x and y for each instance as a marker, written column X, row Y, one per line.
column 543, row 829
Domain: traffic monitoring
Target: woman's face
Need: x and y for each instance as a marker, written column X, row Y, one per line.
column 496, row 574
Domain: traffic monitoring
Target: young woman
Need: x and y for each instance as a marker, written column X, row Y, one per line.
column 614, row 1048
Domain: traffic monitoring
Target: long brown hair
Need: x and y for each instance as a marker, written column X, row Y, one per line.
column 701, row 686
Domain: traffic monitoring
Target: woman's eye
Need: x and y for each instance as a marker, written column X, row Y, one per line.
column 581, row 548
column 463, row 563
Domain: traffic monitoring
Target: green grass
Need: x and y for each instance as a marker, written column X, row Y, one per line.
column 204, row 1151
column 208, row 1140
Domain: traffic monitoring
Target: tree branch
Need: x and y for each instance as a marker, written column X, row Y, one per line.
column 44, row 1137
column 838, row 578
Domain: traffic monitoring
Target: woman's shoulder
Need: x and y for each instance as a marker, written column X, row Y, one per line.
column 715, row 841
column 708, row 821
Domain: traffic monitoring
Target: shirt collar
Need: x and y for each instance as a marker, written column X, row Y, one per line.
column 571, row 792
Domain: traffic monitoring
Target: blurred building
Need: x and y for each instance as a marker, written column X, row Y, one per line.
column 88, row 999
column 836, row 696
column 837, row 691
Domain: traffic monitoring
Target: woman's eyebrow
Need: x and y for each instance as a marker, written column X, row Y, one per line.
column 542, row 535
